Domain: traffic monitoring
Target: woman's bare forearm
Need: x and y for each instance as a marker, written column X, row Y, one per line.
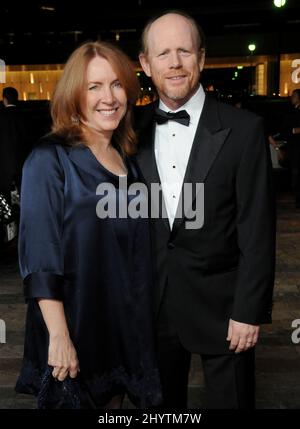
column 54, row 317
column 61, row 354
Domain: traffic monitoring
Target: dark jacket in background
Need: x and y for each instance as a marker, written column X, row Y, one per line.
column 13, row 139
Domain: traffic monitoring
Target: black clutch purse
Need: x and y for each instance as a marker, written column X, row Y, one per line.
column 56, row 394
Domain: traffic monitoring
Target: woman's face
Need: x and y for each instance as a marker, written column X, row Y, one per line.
column 105, row 101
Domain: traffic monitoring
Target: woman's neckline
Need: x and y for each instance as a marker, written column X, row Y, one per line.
column 104, row 167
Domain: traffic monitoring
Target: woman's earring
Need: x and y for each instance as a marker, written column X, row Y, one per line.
column 75, row 119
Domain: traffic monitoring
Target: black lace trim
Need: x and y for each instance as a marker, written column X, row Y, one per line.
column 143, row 388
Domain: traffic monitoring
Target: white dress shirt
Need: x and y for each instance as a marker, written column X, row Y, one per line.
column 173, row 143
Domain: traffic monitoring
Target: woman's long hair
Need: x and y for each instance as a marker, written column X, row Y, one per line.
column 66, row 106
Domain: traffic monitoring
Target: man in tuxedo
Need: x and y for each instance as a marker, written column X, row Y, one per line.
column 214, row 283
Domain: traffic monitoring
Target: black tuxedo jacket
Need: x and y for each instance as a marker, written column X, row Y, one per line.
column 226, row 268
column 12, row 143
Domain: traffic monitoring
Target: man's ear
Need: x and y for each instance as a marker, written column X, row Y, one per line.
column 145, row 64
column 201, row 59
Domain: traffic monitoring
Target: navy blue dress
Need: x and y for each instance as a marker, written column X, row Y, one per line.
column 99, row 268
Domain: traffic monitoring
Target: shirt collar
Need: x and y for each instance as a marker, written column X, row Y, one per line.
column 193, row 106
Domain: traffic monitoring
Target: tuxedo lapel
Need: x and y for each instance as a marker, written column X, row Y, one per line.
column 208, row 141
column 147, row 162
column 146, row 156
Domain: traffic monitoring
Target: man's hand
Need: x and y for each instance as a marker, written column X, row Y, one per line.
column 242, row 336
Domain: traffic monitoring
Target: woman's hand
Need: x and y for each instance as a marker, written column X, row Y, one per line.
column 63, row 357
column 62, row 354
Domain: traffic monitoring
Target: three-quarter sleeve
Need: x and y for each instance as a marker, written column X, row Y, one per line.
column 41, row 255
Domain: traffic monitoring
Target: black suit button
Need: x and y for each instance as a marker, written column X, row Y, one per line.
column 171, row 246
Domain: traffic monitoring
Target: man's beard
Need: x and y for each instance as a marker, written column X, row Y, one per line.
column 179, row 94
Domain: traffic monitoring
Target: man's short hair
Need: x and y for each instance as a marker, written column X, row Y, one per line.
column 200, row 36
column 11, row 95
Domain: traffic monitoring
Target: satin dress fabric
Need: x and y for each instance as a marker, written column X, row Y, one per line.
column 99, row 267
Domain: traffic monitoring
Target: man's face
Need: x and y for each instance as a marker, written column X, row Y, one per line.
column 173, row 60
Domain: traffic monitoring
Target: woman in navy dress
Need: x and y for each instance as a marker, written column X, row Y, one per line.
column 87, row 278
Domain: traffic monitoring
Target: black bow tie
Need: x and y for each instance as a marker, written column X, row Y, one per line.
column 162, row 117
